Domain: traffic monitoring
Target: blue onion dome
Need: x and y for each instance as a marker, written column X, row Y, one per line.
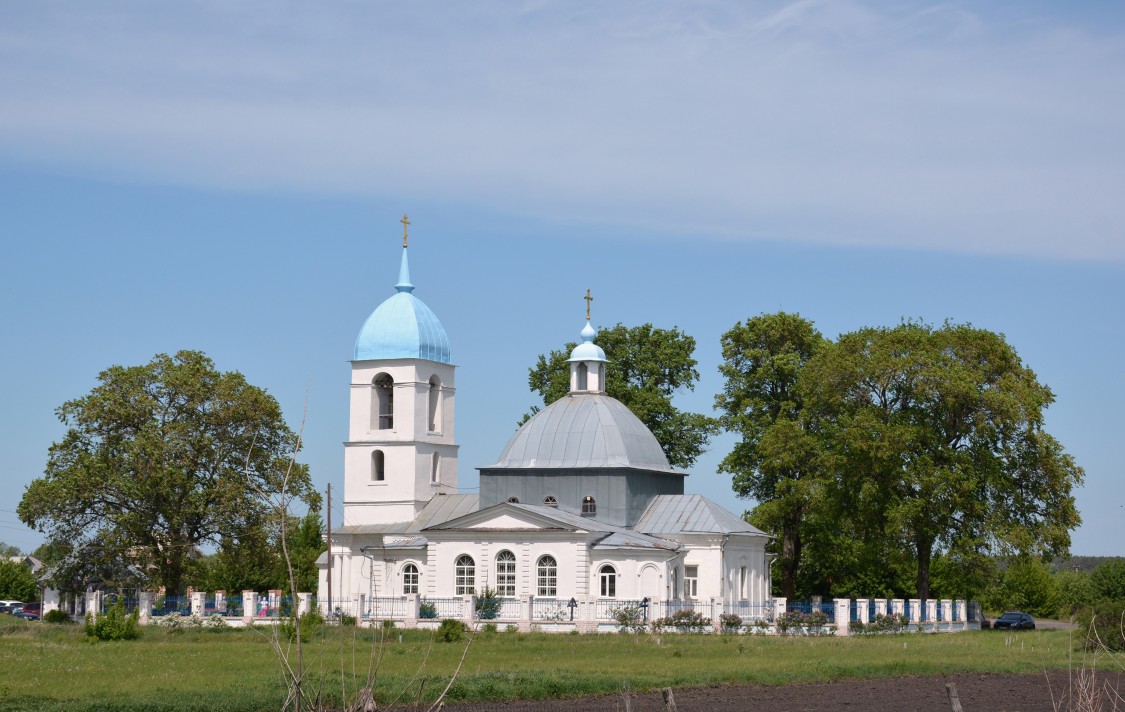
column 587, row 350
column 402, row 327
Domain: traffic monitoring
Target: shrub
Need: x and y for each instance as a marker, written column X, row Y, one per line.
column 310, row 621
column 214, row 621
column 451, row 630
column 114, row 625
column 489, row 628
column 630, row 619
column 881, row 623
column 345, row 619
column 488, row 604
column 685, row 622
column 731, row 622
column 1104, row 622
column 427, row 610
column 798, row 623
column 57, row 616
column 1075, row 592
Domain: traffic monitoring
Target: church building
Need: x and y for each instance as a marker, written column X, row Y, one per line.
column 580, row 504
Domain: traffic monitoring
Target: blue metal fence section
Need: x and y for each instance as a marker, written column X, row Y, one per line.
column 807, row 607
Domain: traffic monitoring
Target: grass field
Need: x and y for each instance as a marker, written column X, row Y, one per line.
column 53, row 667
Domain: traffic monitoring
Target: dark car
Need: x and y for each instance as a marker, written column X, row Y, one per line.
column 1014, row 620
column 26, row 615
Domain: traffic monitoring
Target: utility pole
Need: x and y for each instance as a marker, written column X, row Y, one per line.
column 329, row 548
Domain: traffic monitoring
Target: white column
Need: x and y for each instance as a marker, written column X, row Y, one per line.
column 931, row 610
column 880, row 606
column 897, row 606
column 468, row 609
column 863, row 610
column 525, row 613
column 947, row 610
column 304, row 603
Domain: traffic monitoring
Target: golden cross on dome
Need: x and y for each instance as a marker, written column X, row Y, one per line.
column 588, row 299
column 405, row 223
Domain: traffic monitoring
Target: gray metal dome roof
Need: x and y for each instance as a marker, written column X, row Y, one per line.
column 583, row 430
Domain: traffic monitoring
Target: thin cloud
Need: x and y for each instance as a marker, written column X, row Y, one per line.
column 823, row 122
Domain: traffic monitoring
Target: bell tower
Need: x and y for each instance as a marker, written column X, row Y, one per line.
column 400, row 450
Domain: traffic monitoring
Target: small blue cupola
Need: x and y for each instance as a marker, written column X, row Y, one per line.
column 402, row 326
column 587, row 360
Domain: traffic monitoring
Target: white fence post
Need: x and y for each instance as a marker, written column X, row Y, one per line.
column 897, row 606
column 144, row 605
column 843, row 615
column 468, row 609
column 304, row 603
column 198, row 601
column 863, row 610
column 249, row 606
column 880, row 606
column 221, row 602
column 779, row 607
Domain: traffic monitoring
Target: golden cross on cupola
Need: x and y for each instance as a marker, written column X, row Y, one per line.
column 588, row 299
column 405, row 223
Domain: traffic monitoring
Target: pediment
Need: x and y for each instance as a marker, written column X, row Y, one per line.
column 506, row 517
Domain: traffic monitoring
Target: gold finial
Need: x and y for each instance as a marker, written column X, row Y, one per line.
column 405, row 223
column 588, row 299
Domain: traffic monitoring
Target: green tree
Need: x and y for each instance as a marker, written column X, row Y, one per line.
column 6, row 550
column 160, row 458
column 780, row 460
column 1026, row 585
column 937, row 434
column 1075, row 591
column 1108, row 580
column 17, row 582
column 647, row 366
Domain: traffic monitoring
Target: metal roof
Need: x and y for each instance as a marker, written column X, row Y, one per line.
column 583, row 430
column 690, row 513
column 402, row 327
column 440, row 508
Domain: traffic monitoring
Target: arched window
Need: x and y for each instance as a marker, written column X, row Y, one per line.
column 435, row 405
column 589, row 506
column 506, row 574
column 410, row 579
column 465, row 575
column 547, row 576
column 607, row 578
column 513, row 500
column 435, row 468
column 550, row 501
column 378, row 466
column 582, row 377
column 383, row 404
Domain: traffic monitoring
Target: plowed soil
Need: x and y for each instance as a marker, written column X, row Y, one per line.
column 977, row 693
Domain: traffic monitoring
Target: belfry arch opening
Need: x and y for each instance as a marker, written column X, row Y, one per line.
column 383, row 402
column 434, row 402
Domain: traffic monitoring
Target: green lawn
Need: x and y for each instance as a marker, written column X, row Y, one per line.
column 47, row 667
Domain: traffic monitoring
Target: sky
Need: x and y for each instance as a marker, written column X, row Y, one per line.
column 229, row 177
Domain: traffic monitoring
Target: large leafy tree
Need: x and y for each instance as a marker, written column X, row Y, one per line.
column 780, row 460
column 647, row 366
column 937, row 436
column 160, row 458
column 17, row 582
